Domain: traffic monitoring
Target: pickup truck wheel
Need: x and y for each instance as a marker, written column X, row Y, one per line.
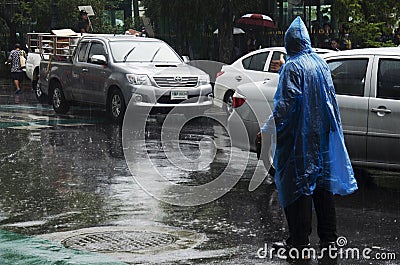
column 116, row 106
column 60, row 104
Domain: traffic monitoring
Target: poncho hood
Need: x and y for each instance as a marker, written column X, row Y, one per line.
column 297, row 39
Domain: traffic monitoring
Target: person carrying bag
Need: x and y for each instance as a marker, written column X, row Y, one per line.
column 17, row 65
column 22, row 59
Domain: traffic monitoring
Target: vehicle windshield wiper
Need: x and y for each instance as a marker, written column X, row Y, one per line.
column 130, row 51
column 154, row 55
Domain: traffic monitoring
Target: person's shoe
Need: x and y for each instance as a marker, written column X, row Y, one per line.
column 17, row 91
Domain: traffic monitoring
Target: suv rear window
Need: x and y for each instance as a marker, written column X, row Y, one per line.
column 348, row 76
column 389, row 79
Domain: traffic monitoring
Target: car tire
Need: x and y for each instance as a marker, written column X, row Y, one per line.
column 268, row 164
column 60, row 104
column 116, row 106
column 267, row 155
column 228, row 102
column 40, row 96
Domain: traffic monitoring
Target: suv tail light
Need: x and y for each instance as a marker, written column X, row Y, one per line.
column 238, row 100
column 220, row 73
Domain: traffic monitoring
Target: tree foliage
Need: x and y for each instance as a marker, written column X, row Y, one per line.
column 188, row 24
column 368, row 26
column 190, row 21
column 24, row 16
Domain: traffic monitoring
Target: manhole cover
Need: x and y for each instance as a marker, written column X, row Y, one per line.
column 119, row 241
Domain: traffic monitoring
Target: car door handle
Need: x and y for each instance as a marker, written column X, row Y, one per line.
column 238, row 78
column 85, row 70
column 381, row 110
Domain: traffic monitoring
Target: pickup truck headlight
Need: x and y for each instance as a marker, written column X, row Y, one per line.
column 138, row 79
column 204, row 80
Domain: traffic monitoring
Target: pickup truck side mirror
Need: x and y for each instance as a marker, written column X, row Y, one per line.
column 98, row 59
column 185, row 59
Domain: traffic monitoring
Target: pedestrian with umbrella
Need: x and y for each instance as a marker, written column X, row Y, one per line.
column 256, row 25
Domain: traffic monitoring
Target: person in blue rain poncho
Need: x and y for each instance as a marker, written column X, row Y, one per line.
column 311, row 161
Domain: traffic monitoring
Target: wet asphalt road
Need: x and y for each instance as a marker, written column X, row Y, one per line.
column 60, row 174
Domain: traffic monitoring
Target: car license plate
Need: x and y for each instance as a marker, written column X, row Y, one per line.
column 179, row 95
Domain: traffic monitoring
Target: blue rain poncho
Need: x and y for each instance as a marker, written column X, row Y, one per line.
column 310, row 149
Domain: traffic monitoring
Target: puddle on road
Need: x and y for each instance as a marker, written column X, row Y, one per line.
column 37, row 117
column 67, row 179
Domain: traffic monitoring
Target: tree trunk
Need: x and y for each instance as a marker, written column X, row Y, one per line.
column 13, row 35
column 225, row 29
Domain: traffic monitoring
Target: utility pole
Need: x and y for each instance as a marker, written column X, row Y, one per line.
column 136, row 12
column 54, row 14
column 225, row 28
column 127, row 6
column 136, row 8
column 281, row 14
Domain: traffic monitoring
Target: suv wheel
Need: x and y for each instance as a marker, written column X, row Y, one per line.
column 60, row 104
column 116, row 106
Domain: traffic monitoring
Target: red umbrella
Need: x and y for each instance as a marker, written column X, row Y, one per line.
column 258, row 20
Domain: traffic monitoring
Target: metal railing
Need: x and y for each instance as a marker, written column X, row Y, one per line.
column 51, row 46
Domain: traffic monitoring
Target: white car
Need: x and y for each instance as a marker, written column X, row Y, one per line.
column 259, row 65
column 32, row 72
column 367, row 84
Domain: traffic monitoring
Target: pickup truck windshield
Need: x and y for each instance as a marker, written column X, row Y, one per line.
column 129, row 51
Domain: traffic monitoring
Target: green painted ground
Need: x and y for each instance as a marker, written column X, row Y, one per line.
column 16, row 249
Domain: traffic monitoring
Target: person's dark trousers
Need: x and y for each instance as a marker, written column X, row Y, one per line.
column 299, row 218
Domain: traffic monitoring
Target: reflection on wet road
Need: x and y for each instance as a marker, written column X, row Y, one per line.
column 61, row 174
